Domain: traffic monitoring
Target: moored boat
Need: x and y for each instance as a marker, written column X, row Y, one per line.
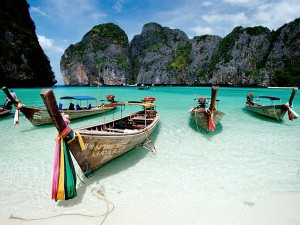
column 205, row 114
column 273, row 111
column 39, row 116
column 5, row 112
column 6, row 108
column 107, row 140
column 143, row 87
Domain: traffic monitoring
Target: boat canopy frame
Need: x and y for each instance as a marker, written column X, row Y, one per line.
column 79, row 98
column 268, row 97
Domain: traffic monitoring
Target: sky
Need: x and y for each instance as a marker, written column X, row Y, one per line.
column 60, row 23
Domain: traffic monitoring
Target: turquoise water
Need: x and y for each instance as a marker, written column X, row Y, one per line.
column 247, row 155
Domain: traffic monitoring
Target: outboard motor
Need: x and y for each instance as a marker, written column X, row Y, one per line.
column 110, row 98
column 150, row 100
column 249, row 97
column 202, row 101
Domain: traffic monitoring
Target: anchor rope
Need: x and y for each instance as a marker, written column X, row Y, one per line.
column 98, row 192
column 149, row 140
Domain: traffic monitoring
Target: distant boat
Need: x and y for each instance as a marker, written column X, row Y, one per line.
column 108, row 140
column 143, row 87
column 273, row 111
column 206, row 116
column 39, row 116
column 4, row 112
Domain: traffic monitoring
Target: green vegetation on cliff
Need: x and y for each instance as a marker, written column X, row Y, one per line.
column 108, row 33
column 182, row 60
column 290, row 76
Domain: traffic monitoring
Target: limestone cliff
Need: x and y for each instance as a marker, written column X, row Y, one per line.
column 22, row 60
column 253, row 56
column 283, row 61
column 240, row 59
column 101, row 56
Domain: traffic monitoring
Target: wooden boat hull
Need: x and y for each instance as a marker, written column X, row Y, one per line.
column 104, row 145
column 5, row 112
column 204, row 115
column 275, row 112
column 39, row 116
column 201, row 117
column 108, row 140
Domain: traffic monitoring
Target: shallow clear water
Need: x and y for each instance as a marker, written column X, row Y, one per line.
column 246, row 155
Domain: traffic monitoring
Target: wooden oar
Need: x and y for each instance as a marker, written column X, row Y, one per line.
column 52, row 108
column 7, row 93
column 214, row 91
column 293, row 95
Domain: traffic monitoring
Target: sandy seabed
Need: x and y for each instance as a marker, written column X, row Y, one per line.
column 275, row 208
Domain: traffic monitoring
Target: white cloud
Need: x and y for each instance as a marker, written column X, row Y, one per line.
column 182, row 16
column 207, row 4
column 273, row 15
column 37, row 10
column 76, row 12
column 238, row 18
column 49, row 44
column 118, row 6
column 239, row 1
column 202, row 30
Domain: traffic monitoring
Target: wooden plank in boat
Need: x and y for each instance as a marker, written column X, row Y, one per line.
column 141, row 119
column 115, row 130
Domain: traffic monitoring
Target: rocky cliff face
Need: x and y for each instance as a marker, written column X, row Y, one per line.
column 240, row 59
column 22, row 60
column 252, row 56
column 101, row 56
column 157, row 55
column 283, row 62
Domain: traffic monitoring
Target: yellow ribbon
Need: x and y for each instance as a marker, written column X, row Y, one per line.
column 61, row 181
column 80, row 140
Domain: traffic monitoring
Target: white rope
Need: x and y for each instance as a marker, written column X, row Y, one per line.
column 275, row 112
column 146, row 145
column 99, row 192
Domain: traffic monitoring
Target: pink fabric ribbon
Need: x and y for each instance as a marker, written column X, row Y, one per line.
column 55, row 177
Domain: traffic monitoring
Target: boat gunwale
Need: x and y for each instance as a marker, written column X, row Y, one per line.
column 88, row 131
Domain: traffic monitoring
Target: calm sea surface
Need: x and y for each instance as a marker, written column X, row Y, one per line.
column 246, row 155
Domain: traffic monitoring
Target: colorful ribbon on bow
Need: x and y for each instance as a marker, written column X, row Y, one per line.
column 291, row 113
column 64, row 175
column 17, row 113
column 211, row 123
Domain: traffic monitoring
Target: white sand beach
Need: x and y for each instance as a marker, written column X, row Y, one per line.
column 276, row 208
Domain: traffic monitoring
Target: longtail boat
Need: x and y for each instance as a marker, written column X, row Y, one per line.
column 205, row 114
column 107, row 140
column 273, row 111
column 5, row 112
column 6, row 108
column 39, row 116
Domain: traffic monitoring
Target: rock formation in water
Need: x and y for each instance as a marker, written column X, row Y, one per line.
column 22, row 60
column 253, row 56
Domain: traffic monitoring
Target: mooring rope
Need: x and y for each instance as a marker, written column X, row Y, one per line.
column 149, row 140
column 99, row 192
column 196, row 122
column 275, row 113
